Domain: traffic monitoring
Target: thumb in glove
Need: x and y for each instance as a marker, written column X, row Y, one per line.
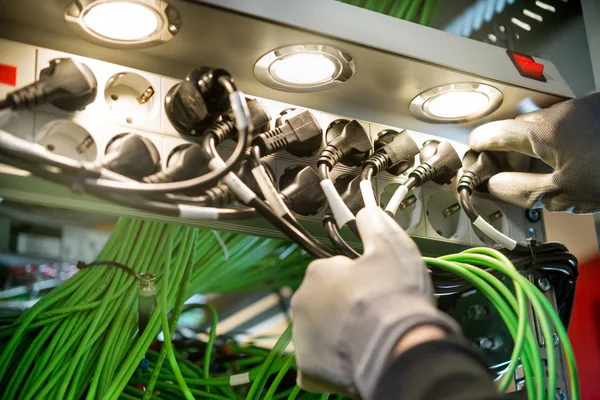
column 349, row 314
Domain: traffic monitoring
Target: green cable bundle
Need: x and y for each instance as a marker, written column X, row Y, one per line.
column 82, row 341
column 475, row 265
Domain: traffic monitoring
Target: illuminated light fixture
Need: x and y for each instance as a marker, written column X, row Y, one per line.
column 123, row 23
column 304, row 68
column 457, row 102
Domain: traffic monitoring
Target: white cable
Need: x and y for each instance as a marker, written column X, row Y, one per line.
column 268, row 190
column 340, row 210
column 396, row 199
column 494, row 234
column 366, row 190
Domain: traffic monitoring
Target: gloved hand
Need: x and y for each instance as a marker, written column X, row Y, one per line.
column 349, row 314
column 566, row 137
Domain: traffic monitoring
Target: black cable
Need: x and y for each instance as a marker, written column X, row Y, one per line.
column 202, row 182
column 337, row 240
column 133, row 201
column 123, row 267
column 308, row 243
column 467, row 205
column 290, row 230
column 254, row 160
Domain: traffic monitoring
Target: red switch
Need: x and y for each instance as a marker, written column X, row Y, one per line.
column 527, row 66
column 8, row 75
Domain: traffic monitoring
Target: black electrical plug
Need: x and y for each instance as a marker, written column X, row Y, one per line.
column 185, row 162
column 67, row 84
column 439, row 163
column 301, row 190
column 299, row 133
column 348, row 186
column 478, row 168
column 131, row 155
column 347, row 142
column 394, row 152
column 196, row 103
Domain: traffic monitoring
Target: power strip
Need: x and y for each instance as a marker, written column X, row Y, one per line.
column 434, row 219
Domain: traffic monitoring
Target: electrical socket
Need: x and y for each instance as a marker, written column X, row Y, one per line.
column 493, row 213
column 126, row 111
column 65, row 137
column 410, row 218
column 444, row 215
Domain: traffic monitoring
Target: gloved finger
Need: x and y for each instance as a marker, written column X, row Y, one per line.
column 319, row 274
column 534, row 116
column 376, row 228
column 507, row 135
column 315, row 385
column 522, row 189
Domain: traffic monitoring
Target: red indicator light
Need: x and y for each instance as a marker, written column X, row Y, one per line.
column 8, row 75
column 527, row 66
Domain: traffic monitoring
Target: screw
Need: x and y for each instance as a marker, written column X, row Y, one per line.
column 543, row 284
column 477, row 312
column 533, row 215
column 560, row 395
column 485, row 343
column 556, row 339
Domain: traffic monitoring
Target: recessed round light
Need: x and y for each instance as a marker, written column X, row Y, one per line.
column 114, row 20
column 124, row 23
column 457, row 102
column 304, row 68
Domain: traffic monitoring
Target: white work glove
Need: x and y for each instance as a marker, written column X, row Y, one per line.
column 350, row 314
column 566, row 137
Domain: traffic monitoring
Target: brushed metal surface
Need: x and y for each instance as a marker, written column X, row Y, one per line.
column 395, row 60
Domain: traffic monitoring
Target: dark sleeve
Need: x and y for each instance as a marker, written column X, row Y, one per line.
column 444, row 369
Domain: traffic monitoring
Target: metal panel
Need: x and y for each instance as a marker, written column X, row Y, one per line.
column 396, row 60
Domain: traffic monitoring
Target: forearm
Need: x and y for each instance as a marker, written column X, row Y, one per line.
column 425, row 365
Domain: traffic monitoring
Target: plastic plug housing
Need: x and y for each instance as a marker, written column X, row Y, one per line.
column 478, row 168
column 185, row 162
column 394, row 152
column 196, row 103
column 348, row 186
column 439, row 163
column 301, row 190
column 347, row 142
column 67, row 84
column 131, row 155
column 300, row 134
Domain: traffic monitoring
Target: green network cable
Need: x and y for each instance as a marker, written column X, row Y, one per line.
column 82, row 340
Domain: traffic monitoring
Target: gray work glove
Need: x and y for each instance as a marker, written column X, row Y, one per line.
column 566, row 137
column 349, row 314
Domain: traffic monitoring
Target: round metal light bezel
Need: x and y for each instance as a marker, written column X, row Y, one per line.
column 343, row 62
column 419, row 106
column 169, row 23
